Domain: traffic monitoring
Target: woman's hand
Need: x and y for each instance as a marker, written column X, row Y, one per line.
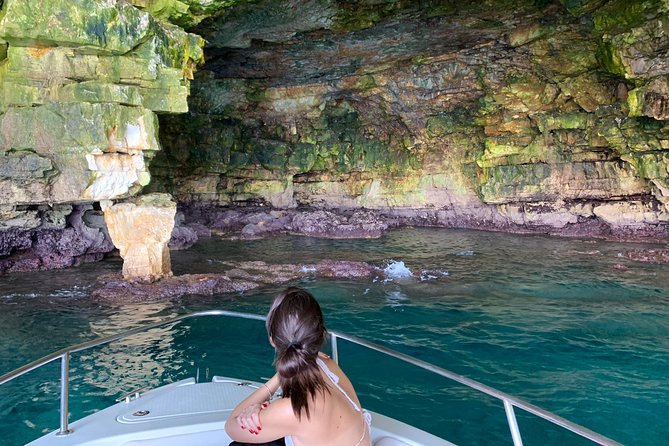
column 249, row 418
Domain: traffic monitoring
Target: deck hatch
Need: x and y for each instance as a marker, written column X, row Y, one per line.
column 185, row 401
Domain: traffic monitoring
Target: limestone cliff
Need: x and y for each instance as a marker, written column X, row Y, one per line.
column 81, row 83
column 507, row 114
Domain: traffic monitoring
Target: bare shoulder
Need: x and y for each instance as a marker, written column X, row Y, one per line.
column 281, row 409
column 343, row 379
column 280, row 414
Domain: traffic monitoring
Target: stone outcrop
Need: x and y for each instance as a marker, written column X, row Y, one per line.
column 141, row 229
column 257, row 222
column 81, row 82
column 185, row 13
column 513, row 115
column 49, row 237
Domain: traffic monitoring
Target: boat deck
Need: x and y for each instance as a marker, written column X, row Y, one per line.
column 193, row 413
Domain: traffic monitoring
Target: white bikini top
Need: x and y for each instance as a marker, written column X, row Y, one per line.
column 367, row 417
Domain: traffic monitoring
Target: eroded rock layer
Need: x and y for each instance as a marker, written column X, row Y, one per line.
column 81, row 83
column 496, row 114
column 141, row 229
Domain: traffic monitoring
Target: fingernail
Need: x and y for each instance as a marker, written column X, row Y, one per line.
column 259, row 428
column 243, row 427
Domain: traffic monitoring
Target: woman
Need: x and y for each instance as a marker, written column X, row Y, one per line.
column 319, row 406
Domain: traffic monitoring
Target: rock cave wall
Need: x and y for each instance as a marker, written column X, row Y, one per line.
column 508, row 114
column 81, row 84
column 539, row 115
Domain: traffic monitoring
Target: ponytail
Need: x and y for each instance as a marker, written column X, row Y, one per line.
column 295, row 325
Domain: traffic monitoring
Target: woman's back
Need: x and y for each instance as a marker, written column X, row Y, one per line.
column 337, row 418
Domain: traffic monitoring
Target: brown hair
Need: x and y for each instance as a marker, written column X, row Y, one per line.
column 295, row 326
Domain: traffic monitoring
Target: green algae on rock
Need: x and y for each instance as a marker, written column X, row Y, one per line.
column 104, row 27
column 104, row 151
column 80, row 86
column 506, row 113
column 185, row 13
column 513, row 114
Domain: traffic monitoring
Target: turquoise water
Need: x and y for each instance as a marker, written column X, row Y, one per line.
column 567, row 324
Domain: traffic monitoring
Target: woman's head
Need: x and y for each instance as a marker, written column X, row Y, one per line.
column 296, row 329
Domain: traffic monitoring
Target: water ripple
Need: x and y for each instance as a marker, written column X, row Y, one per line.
column 551, row 320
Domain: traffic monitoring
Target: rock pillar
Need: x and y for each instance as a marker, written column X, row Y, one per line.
column 141, row 228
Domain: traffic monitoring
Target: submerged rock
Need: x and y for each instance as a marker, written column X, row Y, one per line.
column 115, row 287
column 648, row 255
column 345, row 269
column 240, row 277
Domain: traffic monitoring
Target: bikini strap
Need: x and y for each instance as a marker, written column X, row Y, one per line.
column 335, row 380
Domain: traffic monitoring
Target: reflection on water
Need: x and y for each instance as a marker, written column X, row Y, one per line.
column 396, row 298
column 570, row 325
column 141, row 358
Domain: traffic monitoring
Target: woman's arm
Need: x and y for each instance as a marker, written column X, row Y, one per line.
column 278, row 420
column 261, row 394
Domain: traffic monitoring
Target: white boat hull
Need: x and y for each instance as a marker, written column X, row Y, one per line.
column 194, row 414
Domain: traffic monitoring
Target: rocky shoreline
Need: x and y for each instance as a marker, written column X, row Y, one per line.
column 78, row 234
column 254, row 222
column 52, row 238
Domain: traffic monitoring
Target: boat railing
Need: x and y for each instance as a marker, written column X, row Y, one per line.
column 510, row 402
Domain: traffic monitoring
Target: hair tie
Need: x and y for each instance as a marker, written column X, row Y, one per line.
column 296, row 345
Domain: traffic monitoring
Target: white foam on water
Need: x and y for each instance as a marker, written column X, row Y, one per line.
column 427, row 275
column 397, row 270
column 466, row 253
column 75, row 291
column 308, row 269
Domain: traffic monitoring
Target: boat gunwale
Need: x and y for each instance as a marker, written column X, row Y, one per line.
column 509, row 401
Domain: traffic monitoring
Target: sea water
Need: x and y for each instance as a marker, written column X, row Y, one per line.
column 569, row 325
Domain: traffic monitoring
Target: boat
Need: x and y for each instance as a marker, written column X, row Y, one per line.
column 192, row 412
